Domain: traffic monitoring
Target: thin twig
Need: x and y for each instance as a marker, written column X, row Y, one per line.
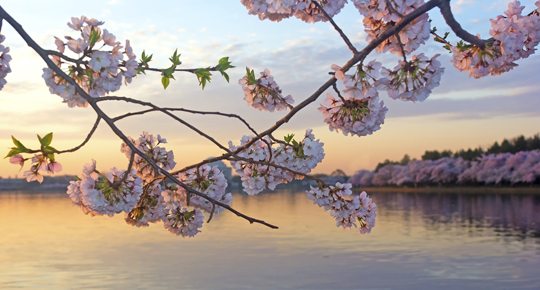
column 211, row 213
column 148, row 104
column 402, row 48
column 229, row 115
column 65, row 57
column 189, row 70
column 88, row 136
column 334, row 85
column 128, row 170
column 337, row 28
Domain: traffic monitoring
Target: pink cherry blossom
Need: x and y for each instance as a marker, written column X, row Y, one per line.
column 264, row 93
column 17, row 159
column 54, row 167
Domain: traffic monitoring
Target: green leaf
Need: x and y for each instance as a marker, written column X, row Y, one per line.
column 288, row 138
column 46, row 141
column 225, row 75
column 18, row 143
column 143, row 64
column 224, row 64
column 175, row 58
column 250, row 74
column 13, row 152
column 146, row 58
column 204, row 76
column 50, row 156
column 165, row 81
column 94, row 36
column 168, row 72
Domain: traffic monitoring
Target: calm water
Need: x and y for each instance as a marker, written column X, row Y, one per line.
column 421, row 241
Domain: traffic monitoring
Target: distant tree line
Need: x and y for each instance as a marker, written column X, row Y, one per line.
column 514, row 145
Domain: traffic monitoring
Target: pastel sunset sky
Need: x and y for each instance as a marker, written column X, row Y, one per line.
column 461, row 112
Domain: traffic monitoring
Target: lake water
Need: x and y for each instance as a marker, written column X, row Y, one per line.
column 421, row 241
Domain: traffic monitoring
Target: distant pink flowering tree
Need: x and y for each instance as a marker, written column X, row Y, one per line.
column 91, row 64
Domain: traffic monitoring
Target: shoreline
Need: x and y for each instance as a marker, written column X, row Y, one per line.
column 453, row 189
column 444, row 189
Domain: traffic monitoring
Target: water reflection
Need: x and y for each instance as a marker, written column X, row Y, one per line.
column 509, row 215
column 421, row 241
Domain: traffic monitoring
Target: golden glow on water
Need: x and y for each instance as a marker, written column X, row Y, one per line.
column 419, row 239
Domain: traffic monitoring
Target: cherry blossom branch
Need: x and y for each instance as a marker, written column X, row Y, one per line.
column 189, row 70
column 88, row 136
column 336, row 27
column 74, row 149
column 228, row 115
column 271, row 164
column 334, row 85
column 65, row 57
column 448, row 16
column 92, row 102
column 211, row 213
column 358, row 57
column 440, row 38
column 148, row 104
column 128, row 170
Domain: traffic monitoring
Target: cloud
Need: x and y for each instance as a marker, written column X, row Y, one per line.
column 527, row 104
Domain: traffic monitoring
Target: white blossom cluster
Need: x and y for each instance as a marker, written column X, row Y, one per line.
column 150, row 208
column 414, row 79
column 354, row 116
column 359, row 111
column 208, row 180
column 149, row 145
column 5, row 58
column 306, row 10
column 380, row 15
column 105, row 194
column 99, row 65
column 362, row 84
column 347, row 209
column 309, row 12
column 302, row 158
column 514, row 36
column 169, row 203
column 179, row 219
column 264, row 93
column 144, row 195
column 185, row 217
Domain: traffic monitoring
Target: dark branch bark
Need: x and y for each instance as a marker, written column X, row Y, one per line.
column 446, row 12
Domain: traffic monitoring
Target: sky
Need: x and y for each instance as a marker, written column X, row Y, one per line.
column 461, row 113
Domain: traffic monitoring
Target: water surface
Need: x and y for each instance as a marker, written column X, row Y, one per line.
column 421, row 241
